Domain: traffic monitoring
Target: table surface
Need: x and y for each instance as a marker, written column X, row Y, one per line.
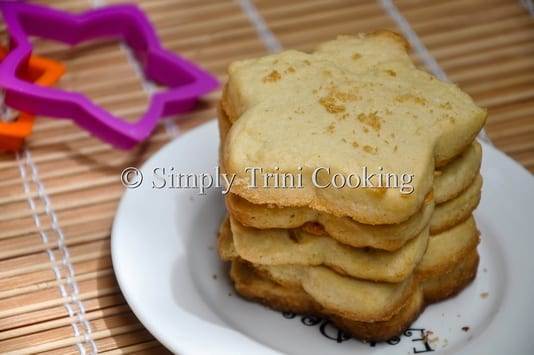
column 59, row 195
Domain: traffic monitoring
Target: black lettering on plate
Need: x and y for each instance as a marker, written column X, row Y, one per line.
column 289, row 315
column 311, row 321
column 329, row 331
column 423, row 340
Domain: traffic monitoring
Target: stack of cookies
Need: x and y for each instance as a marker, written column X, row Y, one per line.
column 355, row 176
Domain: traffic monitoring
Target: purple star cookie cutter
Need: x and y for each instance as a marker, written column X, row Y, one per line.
column 185, row 81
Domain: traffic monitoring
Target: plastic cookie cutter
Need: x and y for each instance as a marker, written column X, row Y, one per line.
column 16, row 126
column 185, row 81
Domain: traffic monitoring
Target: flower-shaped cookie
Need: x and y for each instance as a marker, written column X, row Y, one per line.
column 185, row 81
column 41, row 71
column 356, row 106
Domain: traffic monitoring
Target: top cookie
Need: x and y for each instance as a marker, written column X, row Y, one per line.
column 356, row 103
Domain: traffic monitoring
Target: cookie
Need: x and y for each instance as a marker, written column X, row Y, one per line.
column 347, row 108
column 446, row 284
column 343, row 296
column 297, row 247
column 452, row 212
column 450, row 264
column 448, row 248
column 456, row 176
column 449, row 181
column 252, row 285
column 346, row 230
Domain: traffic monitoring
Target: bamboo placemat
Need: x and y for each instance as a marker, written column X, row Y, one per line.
column 58, row 294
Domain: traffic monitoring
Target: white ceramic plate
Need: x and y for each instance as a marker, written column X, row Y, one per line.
column 164, row 256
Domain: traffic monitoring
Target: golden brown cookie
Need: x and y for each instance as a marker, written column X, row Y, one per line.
column 344, row 296
column 450, row 266
column 272, row 247
column 452, row 179
column 344, row 229
column 447, row 249
column 458, row 181
column 254, row 286
column 453, row 212
column 363, row 104
column 441, row 286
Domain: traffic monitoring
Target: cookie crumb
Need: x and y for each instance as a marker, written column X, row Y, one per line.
column 272, row 77
column 447, row 105
column 409, row 97
column 431, row 340
column 465, row 329
column 344, row 96
column 427, row 335
column 331, row 128
column 329, row 103
column 370, row 150
column 484, row 295
column 372, row 120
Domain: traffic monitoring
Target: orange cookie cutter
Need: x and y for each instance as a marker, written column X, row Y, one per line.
column 41, row 71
